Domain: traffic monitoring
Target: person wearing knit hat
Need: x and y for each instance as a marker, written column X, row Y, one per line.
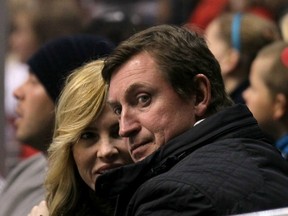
column 49, row 67
column 36, row 100
column 56, row 59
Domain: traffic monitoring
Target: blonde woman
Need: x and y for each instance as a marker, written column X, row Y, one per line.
column 85, row 145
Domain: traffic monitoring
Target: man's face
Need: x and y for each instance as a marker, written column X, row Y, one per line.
column 150, row 111
column 35, row 110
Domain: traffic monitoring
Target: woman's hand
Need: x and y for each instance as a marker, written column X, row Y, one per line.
column 39, row 210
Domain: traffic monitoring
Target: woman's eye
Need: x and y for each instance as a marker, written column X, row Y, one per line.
column 144, row 100
column 88, row 135
column 88, row 138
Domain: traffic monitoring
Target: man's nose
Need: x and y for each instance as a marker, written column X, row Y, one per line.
column 128, row 124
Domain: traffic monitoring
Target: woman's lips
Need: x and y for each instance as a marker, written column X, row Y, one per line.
column 107, row 167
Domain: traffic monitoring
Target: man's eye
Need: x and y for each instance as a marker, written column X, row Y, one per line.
column 117, row 110
column 144, row 100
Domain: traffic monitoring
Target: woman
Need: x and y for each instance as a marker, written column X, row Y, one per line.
column 235, row 39
column 85, row 144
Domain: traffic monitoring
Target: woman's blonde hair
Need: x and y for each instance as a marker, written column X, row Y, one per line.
column 80, row 103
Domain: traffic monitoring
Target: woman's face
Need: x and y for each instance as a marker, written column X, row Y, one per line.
column 216, row 44
column 100, row 148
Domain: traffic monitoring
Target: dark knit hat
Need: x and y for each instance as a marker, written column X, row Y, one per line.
column 55, row 60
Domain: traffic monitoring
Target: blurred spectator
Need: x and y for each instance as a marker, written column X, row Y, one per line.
column 206, row 11
column 267, row 97
column 235, row 39
column 35, row 22
column 31, row 23
column 283, row 24
column 257, row 7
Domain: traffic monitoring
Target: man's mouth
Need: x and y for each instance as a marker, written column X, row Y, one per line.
column 136, row 146
column 139, row 151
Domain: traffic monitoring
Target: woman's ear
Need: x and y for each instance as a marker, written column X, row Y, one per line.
column 230, row 61
column 202, row 94
column 280, row 106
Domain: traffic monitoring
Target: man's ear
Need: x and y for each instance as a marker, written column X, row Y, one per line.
column 280, row 106
column 230, row 61
column 202, row 95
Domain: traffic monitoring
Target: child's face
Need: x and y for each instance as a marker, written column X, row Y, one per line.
column 258, row 96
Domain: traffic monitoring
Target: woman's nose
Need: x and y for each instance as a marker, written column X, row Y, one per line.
column 106, row 150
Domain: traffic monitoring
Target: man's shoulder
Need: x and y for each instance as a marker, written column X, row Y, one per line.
column 32, row 165
column 226, row 175
column 24, row 186
column 228, row 160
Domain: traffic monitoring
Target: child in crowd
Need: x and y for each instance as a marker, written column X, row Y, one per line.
column 267, row 96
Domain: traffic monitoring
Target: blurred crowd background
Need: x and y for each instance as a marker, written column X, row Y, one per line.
column 30, row 23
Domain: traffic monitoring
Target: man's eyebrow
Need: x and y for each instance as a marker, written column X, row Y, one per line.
column 133, row 87
column 112, row 103
column 127, row 93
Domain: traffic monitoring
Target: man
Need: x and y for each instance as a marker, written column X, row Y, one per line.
column 196, row 152
column 35, row 123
